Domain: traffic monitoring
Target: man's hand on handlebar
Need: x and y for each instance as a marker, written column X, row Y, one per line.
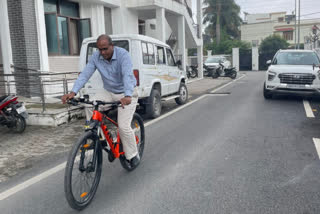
column 67, row 97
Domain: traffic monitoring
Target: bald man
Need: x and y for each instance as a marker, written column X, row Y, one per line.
column 115, row 67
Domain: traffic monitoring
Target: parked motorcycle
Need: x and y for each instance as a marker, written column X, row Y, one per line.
column 208, row 71
column 192, row 71
column 221, row 71
column 13, row 114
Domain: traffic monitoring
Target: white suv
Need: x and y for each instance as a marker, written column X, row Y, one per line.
column 293, row 71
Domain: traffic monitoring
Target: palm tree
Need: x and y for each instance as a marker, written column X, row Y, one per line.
column 222, row 15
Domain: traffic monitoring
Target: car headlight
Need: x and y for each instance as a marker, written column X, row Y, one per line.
column 271, row 75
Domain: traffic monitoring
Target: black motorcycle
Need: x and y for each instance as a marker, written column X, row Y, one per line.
column 221, row 71
column 208, row 71
column 13, row 114
column 192, row 71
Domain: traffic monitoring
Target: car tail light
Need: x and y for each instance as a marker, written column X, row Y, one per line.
column 136, row 75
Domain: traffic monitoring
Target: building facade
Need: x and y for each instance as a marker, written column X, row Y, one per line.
column 257, row 27
column 46, row 35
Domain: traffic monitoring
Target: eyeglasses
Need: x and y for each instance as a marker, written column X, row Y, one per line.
column 103, row 49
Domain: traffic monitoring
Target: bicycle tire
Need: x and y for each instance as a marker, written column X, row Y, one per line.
column 88, row 196
column 124, row 162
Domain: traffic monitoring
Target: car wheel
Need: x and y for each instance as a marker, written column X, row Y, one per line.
column 153, row 108
column 183, row 94
column 266, row 93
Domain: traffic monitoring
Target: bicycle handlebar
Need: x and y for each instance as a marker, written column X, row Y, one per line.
column 95, row 102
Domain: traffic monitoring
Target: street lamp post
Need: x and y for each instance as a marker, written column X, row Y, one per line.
column 295, row 24
column 299, row 27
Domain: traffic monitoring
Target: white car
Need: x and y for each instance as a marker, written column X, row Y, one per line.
column 154, row 66
column 213, row 62
column 292, row 72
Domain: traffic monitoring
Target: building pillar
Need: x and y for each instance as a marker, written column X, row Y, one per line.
column 255, row 58
column 42, row 36
column 5, row 41
column 161, row 24
column 235, row 58
column 199, row 33
column 182, row 41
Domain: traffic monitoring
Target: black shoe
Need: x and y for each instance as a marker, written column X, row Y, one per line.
column 134, row 162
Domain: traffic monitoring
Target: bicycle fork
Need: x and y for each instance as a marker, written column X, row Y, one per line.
column 91, row 164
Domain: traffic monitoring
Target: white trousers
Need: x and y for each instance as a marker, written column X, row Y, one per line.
column 125, row 116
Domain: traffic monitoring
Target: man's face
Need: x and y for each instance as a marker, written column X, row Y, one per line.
column 106, row 50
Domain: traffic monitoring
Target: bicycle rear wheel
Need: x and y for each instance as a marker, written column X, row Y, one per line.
column 138, row 128
column 83, row 171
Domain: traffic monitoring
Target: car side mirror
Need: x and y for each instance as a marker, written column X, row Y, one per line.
column 179, row 63
column 269, row 62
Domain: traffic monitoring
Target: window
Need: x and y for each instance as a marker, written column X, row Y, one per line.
column 170, row 57
column 151, row 54
column 147, row 53
column 288, row 35
column 161, row 59
column 92, row 47
column 280, row 19
column 142, row 27
column 65, row 30
column 152, row 26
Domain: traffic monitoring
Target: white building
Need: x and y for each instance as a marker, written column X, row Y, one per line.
column 46, row 35
column 259, row 26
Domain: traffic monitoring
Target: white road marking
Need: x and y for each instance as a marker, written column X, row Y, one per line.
column 190, row 103
column 56, row 169
column 308, row 109
column 31, row 181
column 317, row 144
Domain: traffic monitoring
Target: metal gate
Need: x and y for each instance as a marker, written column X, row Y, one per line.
column 263, row 58
column 245, row 60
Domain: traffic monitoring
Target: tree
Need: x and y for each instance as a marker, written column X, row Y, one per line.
column 272, row 44
column 269, row 47
column 226, row 45
column 222, row 16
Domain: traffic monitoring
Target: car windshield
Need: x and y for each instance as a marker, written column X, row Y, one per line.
column 213, row 60
column 296, row 58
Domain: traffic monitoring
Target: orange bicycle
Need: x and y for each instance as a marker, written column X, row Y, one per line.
column 84, row 165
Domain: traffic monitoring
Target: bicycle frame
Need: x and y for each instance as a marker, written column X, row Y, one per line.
column 114, row 146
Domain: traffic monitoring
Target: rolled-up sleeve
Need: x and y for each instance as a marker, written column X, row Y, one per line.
column 128, row 78
column 85, row 74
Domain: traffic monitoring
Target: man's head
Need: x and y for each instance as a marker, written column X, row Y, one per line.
column 105, row 46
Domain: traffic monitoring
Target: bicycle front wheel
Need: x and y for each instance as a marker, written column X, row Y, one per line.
column 83, row 171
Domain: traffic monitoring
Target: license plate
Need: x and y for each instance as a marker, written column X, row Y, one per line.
column 21, row 109
column 295, row 86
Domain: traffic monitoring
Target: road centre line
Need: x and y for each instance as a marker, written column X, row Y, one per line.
column 36, row 179
column 308, row 109
column 317, row 145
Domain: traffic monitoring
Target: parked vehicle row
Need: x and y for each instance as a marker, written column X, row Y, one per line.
column 218, row 67
column 292, row 72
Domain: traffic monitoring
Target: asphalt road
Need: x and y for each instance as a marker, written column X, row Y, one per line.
column 226, row 153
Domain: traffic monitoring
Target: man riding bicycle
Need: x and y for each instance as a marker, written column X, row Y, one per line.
column 115, row 67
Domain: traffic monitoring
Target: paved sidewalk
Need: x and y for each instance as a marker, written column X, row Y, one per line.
column 21, row 151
